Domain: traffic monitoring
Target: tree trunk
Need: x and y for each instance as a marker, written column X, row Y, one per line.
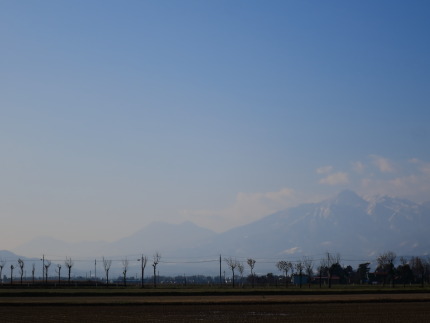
column 252, row 277
column 286, row 279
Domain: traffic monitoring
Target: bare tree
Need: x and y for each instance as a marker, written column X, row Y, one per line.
column 284, row 266
column 241, row 268
column 124, row 270
column 69, row 264
column 143, row 260
column 106, row 265
column 155, row 261
column 2, row 264
column 232, row 264
column 251, row 264
column 309, row 269
column 299, row 268
column 386, row 265
column 11, row 273
column 58, row 270
column 47, row 265
column 33, row 270
column 21, row 268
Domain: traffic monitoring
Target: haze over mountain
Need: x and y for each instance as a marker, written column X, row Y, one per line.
column 347, row 224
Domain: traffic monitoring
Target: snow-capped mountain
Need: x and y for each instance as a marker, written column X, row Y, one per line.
column 357, row 228
column 347, row 224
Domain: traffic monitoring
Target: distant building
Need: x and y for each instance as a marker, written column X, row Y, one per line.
column 324, row 280
column 296, row 279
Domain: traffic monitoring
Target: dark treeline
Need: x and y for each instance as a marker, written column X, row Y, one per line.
column 390, row 270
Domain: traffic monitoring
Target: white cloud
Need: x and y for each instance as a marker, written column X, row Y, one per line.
column 383, row 164
column 422, row 166
column 291, row 251
column 339, row 178
column 398, row 186
column 324, row 170
column 409, row 179
column 247, row 207
column 411, row 182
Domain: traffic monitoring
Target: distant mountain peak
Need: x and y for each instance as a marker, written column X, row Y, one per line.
column 348, row 197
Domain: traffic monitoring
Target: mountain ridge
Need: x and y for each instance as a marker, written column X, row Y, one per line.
column 346, row 223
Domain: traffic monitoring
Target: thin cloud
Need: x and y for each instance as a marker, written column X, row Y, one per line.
column 412, row 181
column 339, row 178
column 409, row 179
column 383, row 164
column 422, row 166
column 247, row 207
column 358, row 167
column 324, row 170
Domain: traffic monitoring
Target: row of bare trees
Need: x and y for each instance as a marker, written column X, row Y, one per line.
column 125, row 263
column 233, row 263
column 410, row 270
column 21, row 265
column 46, row 264
column 69, row 263
column 303, row 267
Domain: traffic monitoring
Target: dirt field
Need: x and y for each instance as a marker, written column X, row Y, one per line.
column 247, row 308
column 344, row 312
column 211, row 299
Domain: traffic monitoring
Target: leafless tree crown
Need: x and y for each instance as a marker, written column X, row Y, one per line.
column 251, row 263
column 156, row 259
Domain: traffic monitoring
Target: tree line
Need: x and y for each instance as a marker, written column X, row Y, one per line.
column 390, row 269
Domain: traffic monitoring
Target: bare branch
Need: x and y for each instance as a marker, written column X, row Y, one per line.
column 155, row 260
column 232, row 264
column 106, row 265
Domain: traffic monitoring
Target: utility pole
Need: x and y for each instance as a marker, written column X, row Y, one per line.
column 328, row 269
column 141, row 269
column 95, row 271
column 43, row 267
column 220, row 279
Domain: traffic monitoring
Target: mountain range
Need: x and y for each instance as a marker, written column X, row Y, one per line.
column 356, row 228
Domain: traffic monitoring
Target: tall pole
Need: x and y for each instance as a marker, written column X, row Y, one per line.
column 220, row 279
column 95, row 270
column 43, row 267
column 328, row 269
column 141, row 267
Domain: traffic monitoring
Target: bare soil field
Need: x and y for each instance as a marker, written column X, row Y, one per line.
column 213, row 308
column 394, row 312
column 211, row 299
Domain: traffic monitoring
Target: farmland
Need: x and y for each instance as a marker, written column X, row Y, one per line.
column 135, row 305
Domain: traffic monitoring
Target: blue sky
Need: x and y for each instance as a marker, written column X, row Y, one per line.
column 114, row 114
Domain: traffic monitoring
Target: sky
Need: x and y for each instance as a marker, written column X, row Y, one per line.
column 115, row 114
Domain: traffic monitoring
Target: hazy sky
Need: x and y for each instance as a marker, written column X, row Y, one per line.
column 114, row 114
